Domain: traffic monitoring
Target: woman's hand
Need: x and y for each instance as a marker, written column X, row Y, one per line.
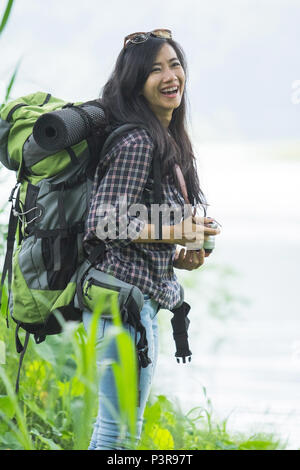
column 188, row 259
column 192, row 231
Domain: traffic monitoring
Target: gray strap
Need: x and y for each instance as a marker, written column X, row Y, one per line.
column 33, row 153
column 22, row 353
column 56, row 254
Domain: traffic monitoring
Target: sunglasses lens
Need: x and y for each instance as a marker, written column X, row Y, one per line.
column 139, row 38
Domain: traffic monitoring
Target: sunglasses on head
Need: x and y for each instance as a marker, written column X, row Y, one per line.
column 138, row 38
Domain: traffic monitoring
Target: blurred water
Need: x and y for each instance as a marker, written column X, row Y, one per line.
column 250, row 363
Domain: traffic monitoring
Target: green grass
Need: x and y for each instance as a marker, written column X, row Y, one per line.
column 58, row 402
column 167, row 427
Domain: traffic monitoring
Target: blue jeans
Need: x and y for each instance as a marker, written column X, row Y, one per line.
column 106, row 433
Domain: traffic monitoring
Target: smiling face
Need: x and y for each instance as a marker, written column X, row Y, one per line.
column 164, row 86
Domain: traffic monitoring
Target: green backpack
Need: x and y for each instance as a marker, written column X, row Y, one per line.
column 50, row 279
column 45, row 262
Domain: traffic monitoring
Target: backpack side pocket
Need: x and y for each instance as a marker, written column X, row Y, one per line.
column 60, row 259
column 101, row 288
column 31, row 302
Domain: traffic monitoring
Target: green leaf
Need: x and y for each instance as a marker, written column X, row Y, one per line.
column 4, row 301
column 162, row 438
column 7, row 407
column 9, row 442
column 41, row 413
column 6, row 15
column 126, row 379
column 11, row 82
column 21, row 430
column 49, row 442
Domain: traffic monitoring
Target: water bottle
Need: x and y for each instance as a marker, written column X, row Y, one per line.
column 209, row 242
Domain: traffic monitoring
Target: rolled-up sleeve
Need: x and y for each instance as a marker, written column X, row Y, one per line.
column 112, row 216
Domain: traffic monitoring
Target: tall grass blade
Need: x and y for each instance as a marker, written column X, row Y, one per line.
column 83, row 407
column 125, row 373
column 6, row 15
column 11, row 82
column 23, row 434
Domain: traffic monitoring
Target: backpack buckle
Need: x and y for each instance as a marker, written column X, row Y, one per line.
column 11, row 197
column 68, row 105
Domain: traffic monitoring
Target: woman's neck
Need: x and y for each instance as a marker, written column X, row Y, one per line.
column 165, row 119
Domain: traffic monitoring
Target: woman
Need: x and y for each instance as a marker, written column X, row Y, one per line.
column 147, row 88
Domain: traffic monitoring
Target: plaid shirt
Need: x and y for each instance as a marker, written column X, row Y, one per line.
column 127, row 170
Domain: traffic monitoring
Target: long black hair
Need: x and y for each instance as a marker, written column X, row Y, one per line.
column 124, row 103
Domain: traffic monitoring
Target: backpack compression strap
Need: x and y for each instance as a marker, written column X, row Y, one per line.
column 180, row 324
column 11, row 235
column 21, row 350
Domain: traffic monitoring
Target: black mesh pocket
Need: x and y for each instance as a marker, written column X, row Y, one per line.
column 60, row 259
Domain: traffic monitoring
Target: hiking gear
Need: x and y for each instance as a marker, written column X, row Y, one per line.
column 138, row 38
column 68, row 126
column 94, row 285
column 180, row 324
column 46, row 220
column 48, row 266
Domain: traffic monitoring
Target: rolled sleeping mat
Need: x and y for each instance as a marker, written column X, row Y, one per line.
column 66, row 127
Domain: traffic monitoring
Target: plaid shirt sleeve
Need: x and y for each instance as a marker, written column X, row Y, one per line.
column 122, row 186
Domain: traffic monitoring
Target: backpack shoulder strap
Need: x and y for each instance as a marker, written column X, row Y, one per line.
column 10, row 241
column 156, row 161
column 115, row 134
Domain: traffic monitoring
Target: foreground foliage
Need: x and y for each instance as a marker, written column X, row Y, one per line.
column 57, row 403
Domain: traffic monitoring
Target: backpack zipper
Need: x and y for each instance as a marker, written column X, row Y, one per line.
column 9, row 116
column 93, row 282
